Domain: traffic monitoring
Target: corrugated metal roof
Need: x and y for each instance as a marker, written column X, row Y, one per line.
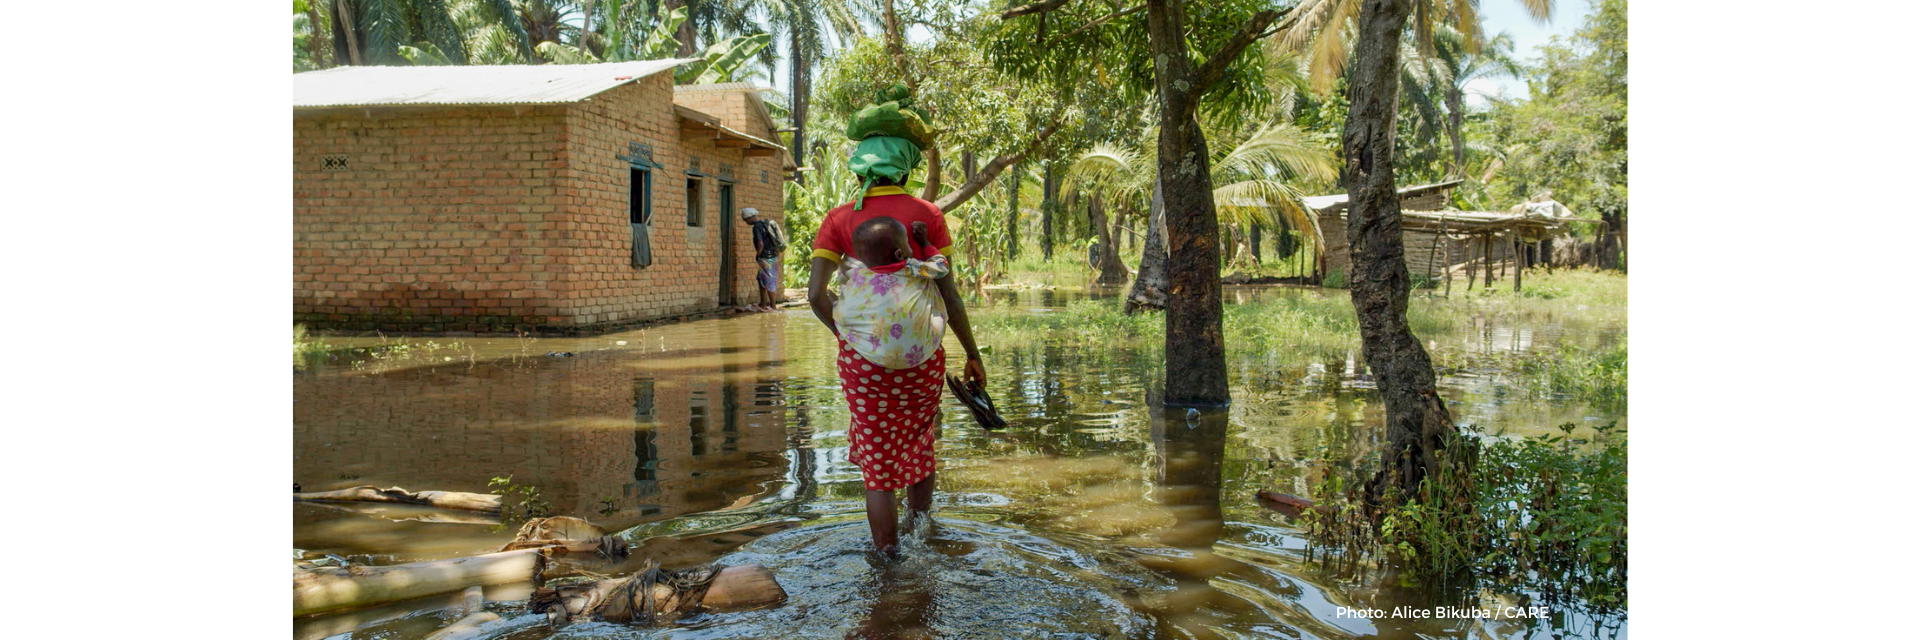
column 467, row 85
column 1321, row 203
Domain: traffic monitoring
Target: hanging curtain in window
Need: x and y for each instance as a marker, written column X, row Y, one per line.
column 642, row 246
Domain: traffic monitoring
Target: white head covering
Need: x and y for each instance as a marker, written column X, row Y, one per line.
column 748, row 212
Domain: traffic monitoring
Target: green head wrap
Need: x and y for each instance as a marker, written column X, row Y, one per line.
column 891, row 132
column 882, row 157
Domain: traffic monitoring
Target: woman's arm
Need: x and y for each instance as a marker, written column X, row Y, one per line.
column 817, row 295
column 957, row 319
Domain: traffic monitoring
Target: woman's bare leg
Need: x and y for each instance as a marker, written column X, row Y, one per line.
column 919, row 501
column 882, row 519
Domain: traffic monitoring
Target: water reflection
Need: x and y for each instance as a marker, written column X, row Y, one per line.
column 1097, row 514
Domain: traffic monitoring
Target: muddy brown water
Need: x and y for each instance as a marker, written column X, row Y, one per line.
column 1096, row 515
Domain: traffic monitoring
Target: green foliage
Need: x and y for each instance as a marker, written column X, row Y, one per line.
column 1557, row 511
column 1546, row 514
column 1335, row 279
column 518, row 503
column 424, row 55
column 726, row 57
column 306, row 349
column 305, row 34
column 384, row 24
column 1599, row 377
column 1570, row 137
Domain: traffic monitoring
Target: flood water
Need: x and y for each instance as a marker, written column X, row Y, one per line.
column 1095, row 515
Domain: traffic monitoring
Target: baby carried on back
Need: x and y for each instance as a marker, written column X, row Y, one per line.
column 889, row 309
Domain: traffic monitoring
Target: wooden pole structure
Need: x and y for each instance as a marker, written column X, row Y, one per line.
column 1503, row 271
column 1438, row 237
column 1486, row 260
column 1519, row 264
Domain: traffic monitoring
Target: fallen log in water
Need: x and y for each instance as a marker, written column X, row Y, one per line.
column 657, row 593
column 483, row 502
column 468, row 626
column 1288, row 505
column 334, row 588
column 566, row 534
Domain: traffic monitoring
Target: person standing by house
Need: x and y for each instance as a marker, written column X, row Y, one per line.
column 895, row 412
column 767, row 247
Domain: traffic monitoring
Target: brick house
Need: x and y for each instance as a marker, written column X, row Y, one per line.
column 549, row 199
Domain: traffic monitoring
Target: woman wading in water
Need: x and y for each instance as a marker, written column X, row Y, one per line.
column 889, row 323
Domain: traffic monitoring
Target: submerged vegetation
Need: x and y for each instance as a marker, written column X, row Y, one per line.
column 1305, row 323
column 1544, row 515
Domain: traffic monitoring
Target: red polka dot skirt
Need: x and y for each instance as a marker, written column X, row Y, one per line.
column 894, row 413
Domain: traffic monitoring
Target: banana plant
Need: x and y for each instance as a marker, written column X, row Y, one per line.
column 723, row 59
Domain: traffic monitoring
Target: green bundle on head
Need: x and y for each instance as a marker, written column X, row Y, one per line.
column 892, row 133
column 891, row 114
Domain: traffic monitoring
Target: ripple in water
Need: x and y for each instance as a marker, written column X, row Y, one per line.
column 964, row 579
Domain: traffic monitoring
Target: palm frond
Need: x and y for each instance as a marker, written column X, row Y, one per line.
column 1267, row 203
column 1330, row 50
column 727, row 57
column 563, row 54
column 501, row 12
column 385, row 24
column 427, row 54
column 437, row 27
column 1540, row 10
column 1277, row 151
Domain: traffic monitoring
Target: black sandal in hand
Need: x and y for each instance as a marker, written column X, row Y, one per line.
column 976, row 401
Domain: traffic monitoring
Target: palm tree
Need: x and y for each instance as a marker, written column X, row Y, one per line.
column 1255, row 186
column 401, row 32
column 1109, row 174
column 1463, row 62
column 1321, row 30
column 1258, row 181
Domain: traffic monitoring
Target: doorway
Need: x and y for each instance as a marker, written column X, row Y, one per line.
column 726, row 244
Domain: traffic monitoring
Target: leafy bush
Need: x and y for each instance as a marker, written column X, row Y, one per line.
column 1546, row 514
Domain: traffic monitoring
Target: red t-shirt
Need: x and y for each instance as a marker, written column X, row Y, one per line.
column 835, row 238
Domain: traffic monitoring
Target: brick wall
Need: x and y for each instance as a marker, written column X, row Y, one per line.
column 516, row 219
column 436, row 223
column 603, row 288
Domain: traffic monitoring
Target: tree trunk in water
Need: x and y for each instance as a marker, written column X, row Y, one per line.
column 1013, row 213
column 334, row 588
column 483, row 502
column 1418, row 425
column 1150, row 285
column 1112, row 270
column 1049, row 200
column 1199, row 375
